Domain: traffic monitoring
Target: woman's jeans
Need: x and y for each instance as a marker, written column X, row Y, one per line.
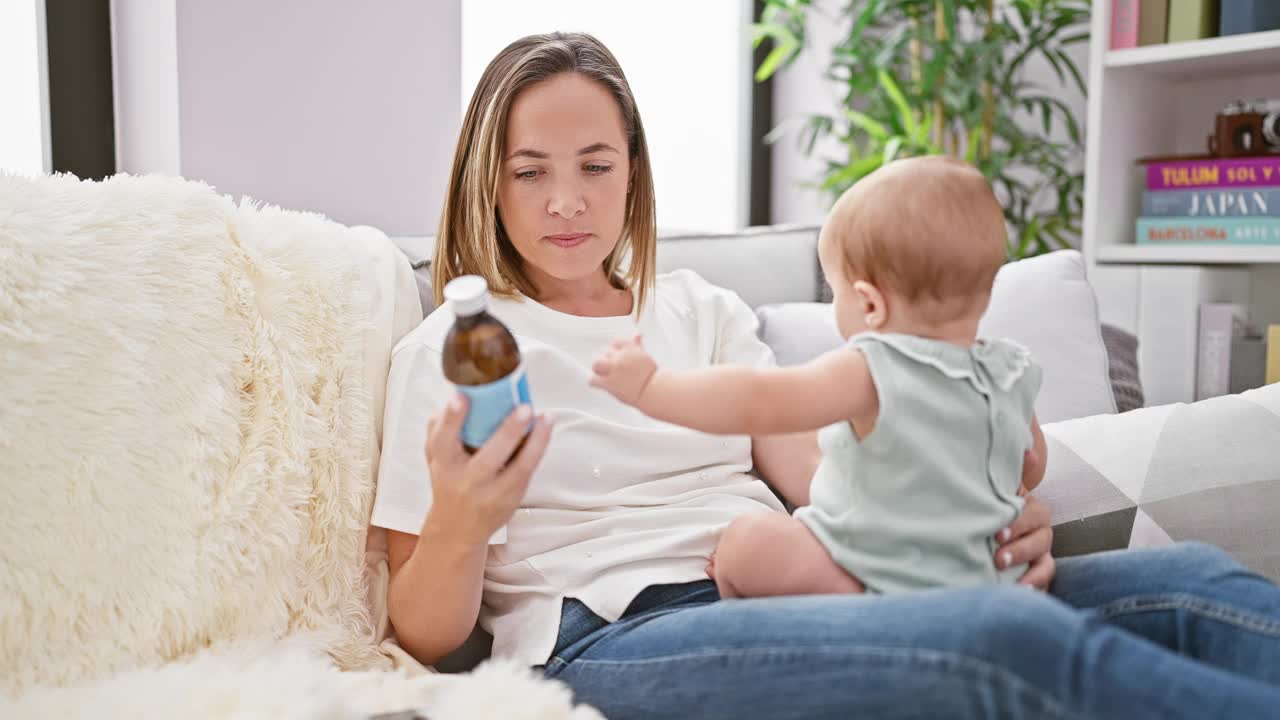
column 1178, row 632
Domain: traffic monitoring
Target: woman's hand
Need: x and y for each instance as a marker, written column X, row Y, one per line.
column 474, row 495
column 1028, row 540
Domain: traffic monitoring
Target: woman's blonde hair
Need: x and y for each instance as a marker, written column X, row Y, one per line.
column 472, row 240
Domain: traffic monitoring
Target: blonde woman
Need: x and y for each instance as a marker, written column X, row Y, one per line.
column 609, row 519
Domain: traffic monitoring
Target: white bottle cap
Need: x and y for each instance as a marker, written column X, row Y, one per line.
column 467, row 295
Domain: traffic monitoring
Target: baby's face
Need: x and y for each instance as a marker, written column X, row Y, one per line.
column 850, row 315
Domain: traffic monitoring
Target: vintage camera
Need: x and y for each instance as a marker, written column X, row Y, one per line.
column 1243, row 129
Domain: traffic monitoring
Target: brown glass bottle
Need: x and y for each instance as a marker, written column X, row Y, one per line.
column 481, row 358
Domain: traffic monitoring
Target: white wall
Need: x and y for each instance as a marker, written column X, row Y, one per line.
column 689, row 66
column 325, row 105
column 24, row 121
column 144, row 62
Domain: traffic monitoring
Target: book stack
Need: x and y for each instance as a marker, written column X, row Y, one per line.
column 1135, row 23
column 1231, row 355
column 1213, row 201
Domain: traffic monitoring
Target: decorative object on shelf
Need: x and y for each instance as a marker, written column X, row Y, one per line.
column 1192, row 19
column 1220, row 324
column 949, row 76
column 1273, row 354
column 1244, row 129
column 1230, row 197
column 1248, row 364
column 1246, row 16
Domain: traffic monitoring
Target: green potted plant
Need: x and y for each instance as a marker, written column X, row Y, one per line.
column 949, row 76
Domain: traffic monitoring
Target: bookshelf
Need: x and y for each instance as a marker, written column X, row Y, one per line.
column 1221, row 57
column 1161, row 100
column 1188, row 255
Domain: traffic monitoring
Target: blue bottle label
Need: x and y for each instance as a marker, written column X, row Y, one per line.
column 490, row 404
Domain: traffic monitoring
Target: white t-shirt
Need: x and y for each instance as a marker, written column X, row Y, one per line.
column 620, row 501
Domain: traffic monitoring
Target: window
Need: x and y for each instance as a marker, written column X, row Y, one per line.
column 24, row 121
column 689, row 64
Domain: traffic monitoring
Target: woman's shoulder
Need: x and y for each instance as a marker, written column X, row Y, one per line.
column 689, row 289
column 429, row 334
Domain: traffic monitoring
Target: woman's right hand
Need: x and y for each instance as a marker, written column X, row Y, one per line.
column 474, row 495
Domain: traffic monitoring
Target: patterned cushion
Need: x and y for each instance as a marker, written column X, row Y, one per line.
column 1205, row 471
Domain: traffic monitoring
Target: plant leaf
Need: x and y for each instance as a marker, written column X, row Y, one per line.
column 906, row 117
column 781, row 52
column 891, row 149
column 867, row 124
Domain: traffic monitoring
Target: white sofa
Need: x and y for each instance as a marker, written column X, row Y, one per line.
column 190, row 415
column 1206, row 471
column 189, row 428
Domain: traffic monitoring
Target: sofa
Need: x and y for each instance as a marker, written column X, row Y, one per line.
column 189, row 429
column 1120, row 475
column 189, row 432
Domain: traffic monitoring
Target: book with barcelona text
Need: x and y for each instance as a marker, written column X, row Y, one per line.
column 1209, row 230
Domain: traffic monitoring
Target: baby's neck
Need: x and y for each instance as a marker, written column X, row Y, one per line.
column 961, row 331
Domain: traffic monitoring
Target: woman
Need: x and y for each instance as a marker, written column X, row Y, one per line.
column 585, row 554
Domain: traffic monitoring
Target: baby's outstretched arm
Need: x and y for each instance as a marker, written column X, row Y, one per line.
column 1036, row 459
column 728, row 399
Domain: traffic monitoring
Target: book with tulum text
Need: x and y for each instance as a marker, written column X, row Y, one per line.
column 1261, row 171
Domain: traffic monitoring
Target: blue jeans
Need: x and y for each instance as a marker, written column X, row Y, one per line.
column 1178, row 632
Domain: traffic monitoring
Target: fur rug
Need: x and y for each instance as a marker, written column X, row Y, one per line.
column 188, row 444
column 286, row 684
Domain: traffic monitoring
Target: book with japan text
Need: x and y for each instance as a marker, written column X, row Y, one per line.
column 1217, row 202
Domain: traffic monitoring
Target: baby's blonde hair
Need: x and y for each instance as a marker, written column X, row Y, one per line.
column 928, row 230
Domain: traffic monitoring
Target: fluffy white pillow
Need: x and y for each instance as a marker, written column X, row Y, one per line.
column 1043, row 302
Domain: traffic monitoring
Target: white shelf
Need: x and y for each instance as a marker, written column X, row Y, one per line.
column 1188, row 254
column 1213, row 57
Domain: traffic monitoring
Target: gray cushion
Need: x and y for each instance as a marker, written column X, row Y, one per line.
column 1122, row 366
column 419, row 250
column 763, row 265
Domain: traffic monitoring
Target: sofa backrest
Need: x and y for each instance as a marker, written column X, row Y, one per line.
column 764, row 265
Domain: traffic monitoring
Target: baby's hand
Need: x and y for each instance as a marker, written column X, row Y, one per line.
column 624, row 370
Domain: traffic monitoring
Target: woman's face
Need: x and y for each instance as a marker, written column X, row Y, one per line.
column 562, row 194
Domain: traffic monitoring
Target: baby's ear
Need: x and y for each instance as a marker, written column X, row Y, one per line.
column 874, row 306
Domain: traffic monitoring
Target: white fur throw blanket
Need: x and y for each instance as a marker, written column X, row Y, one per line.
column 187, row 446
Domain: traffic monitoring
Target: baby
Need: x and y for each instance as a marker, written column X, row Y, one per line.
column 928, row 434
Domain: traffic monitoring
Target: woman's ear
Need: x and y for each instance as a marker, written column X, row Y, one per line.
column 875, row 309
